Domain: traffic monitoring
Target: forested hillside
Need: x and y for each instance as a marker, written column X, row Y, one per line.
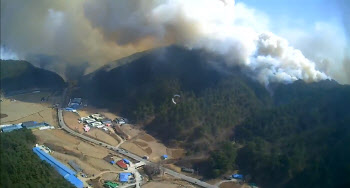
column 21, row 75
column 303, row 141
column 293, row 135
column 20, row 167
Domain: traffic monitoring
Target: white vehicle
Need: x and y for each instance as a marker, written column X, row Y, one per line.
column 96, row 124
column 85, row 118
column 100, row 126
column 121, row 121
column 90, row 121
column 95, row 115
column 99, row 118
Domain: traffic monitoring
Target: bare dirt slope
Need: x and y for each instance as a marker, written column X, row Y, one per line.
column 103, row 136
column 144, row 144
column 18, row 112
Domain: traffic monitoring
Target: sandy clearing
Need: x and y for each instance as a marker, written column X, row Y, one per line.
column 152, row 149
column 103, row 136
column 71, row 119
column 49, row 116
column 133, row 148
column 145, row 144
column 57, row 137
column 87, row 168
column 147, row 138
column 158, row 149
column 110, row 176
column 140, row 143
column 92, row 151
column 130, row 130
column 83, row 113
column 176, row 153
column 18, row 110
column 102, row 165
column 233, row 185
column 163, row 184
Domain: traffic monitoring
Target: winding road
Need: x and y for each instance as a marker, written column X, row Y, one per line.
column 131, row 155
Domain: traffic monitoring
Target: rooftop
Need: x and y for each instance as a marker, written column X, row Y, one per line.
column 11, row 128
column 124, row 176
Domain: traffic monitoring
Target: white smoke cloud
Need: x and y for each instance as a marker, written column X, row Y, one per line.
column 6, row 54
column 233, row 31
column 325, row 44
column 100, row 30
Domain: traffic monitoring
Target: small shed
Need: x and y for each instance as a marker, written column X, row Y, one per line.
column 112, row 162
column 75, row 166
column 164, row 157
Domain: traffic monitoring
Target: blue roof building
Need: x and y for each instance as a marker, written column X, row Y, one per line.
column 237, row 176
column 11, row 128
column 77, row 100
column 126, row 161
column 74, row 106
column 28, row 123
column 164, row 156
column 66, row 172
column 70, row 109
column 124, row 177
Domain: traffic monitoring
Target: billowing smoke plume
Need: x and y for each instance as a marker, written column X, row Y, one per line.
column 98, row 31
column 217, row 26
column 56, row 35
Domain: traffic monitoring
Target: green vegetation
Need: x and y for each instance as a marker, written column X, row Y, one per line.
column 303, row 142
column 20, row 167
column 222, row 159
column 21, row 75
column 294, row 135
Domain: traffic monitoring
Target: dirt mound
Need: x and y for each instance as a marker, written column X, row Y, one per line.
column 141, row 144
column 63, row 150
column 176, row 153
column 3, row 115
column 147, row 138
column 148, row 150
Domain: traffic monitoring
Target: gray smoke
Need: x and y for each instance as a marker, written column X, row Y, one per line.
column 98, row 31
